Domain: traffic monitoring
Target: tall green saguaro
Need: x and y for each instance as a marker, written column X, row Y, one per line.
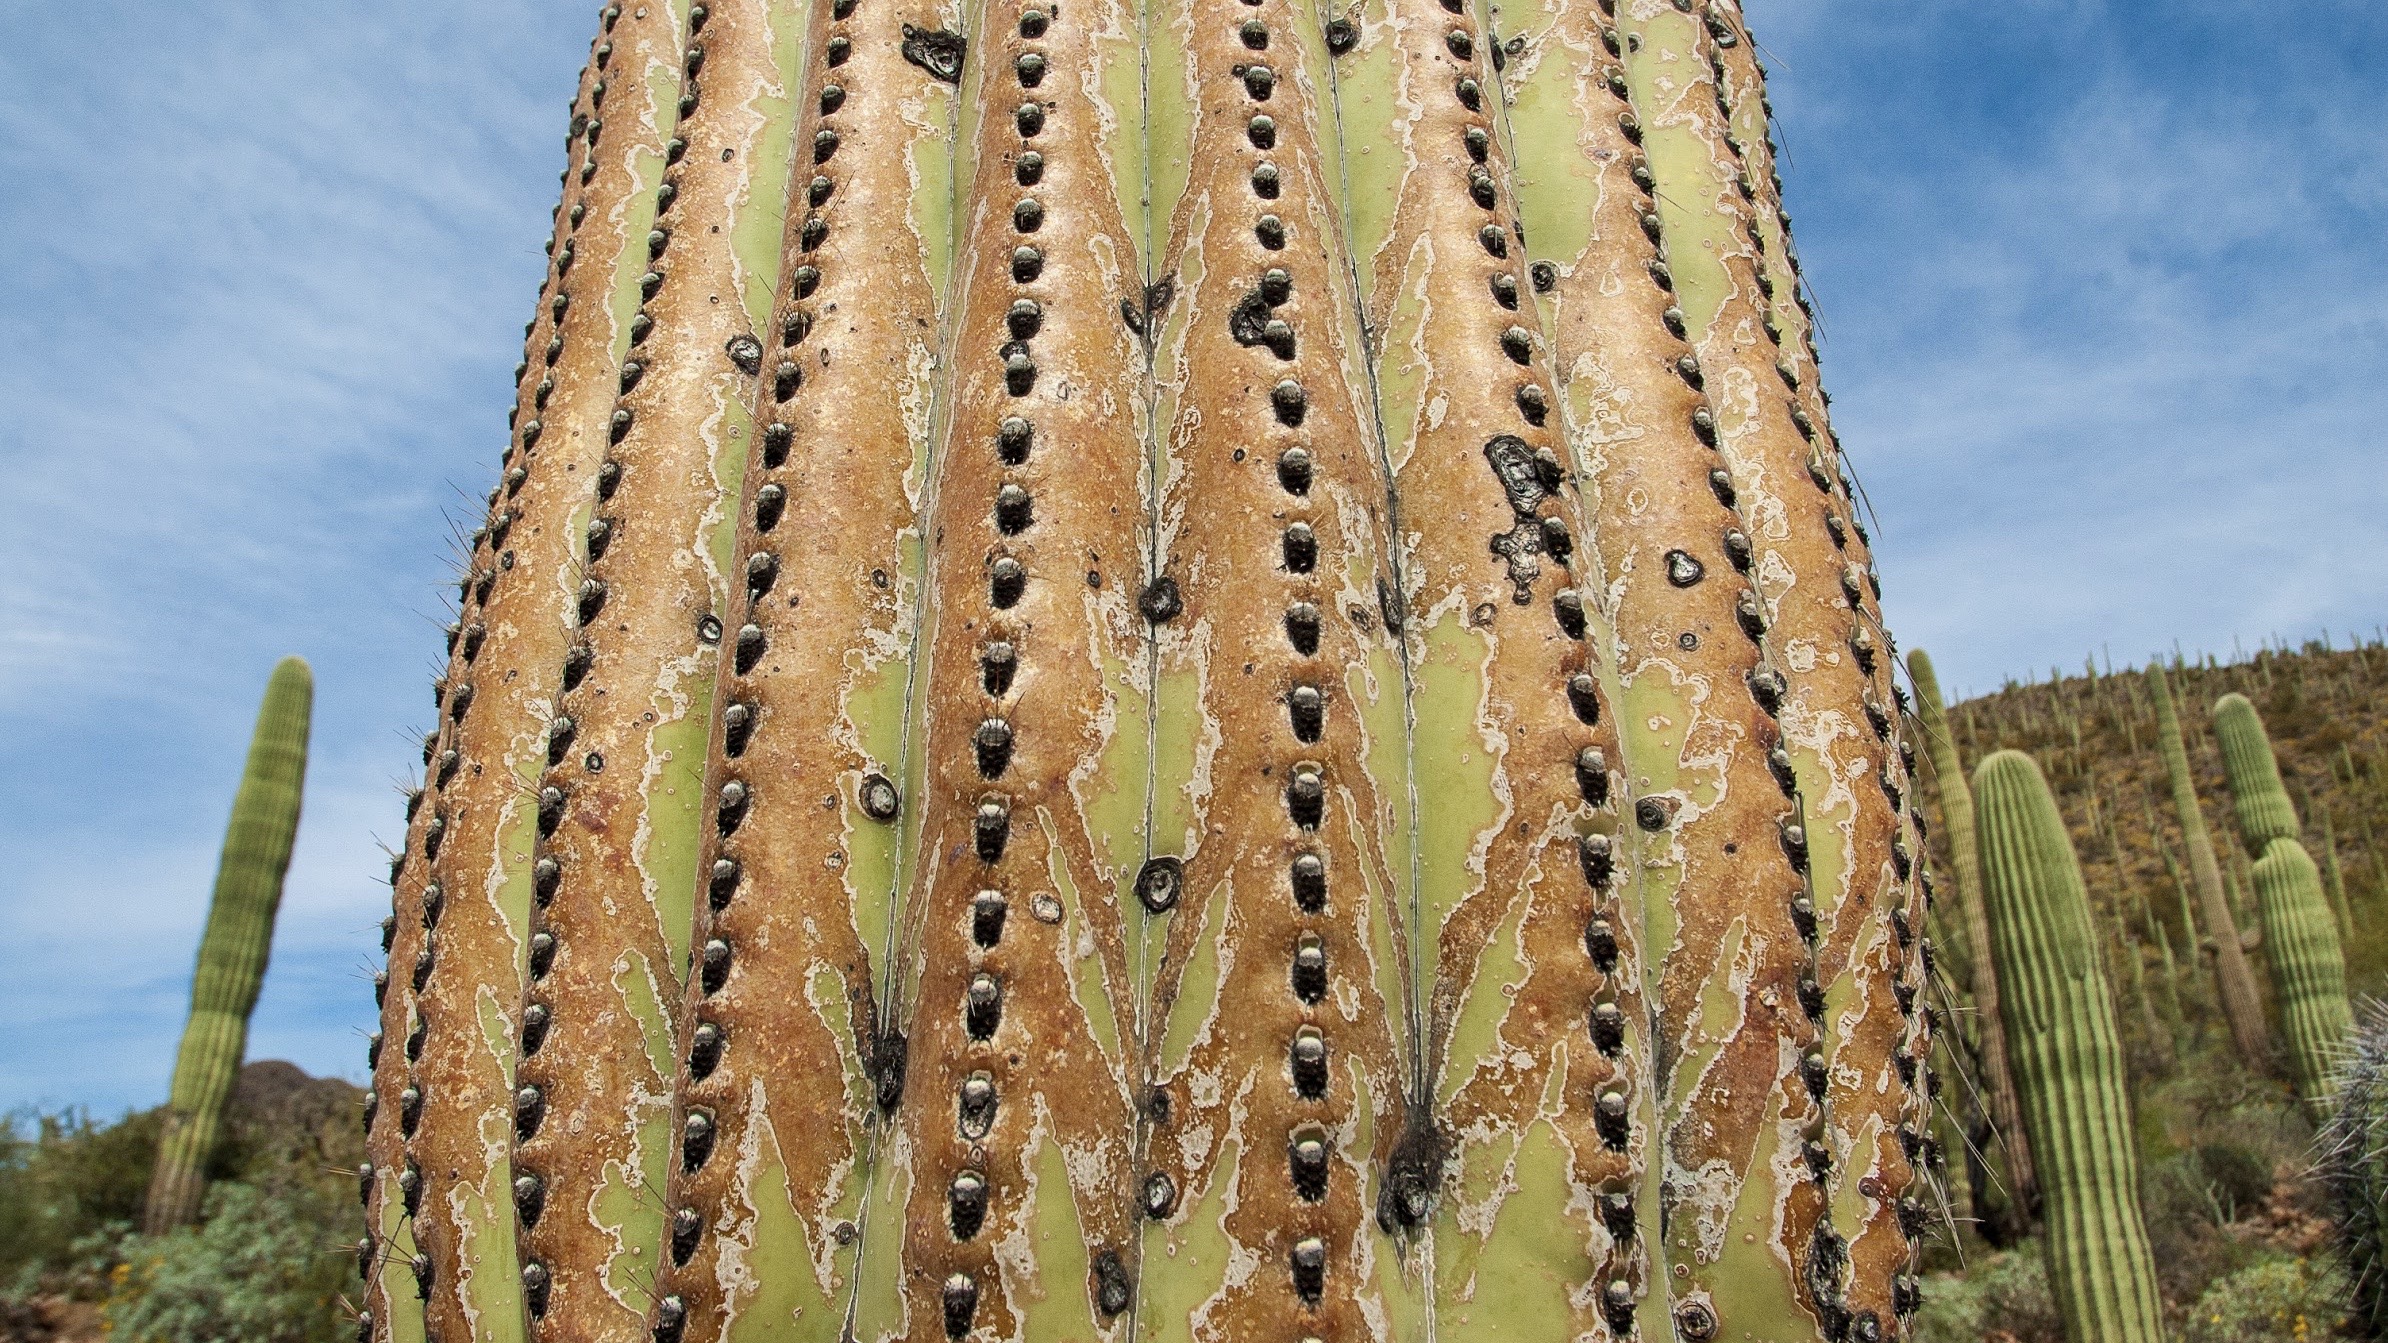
column 2241, row 1005
column 2067, row 1058
column 1956, row 814
column 233, row 951
column 2300, row 933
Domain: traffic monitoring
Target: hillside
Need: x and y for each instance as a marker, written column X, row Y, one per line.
column 2223, row 1146
column 2094, row 736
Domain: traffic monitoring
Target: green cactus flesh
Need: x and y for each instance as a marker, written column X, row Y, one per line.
column 2261, row 800
column 1153, row 725
column 2067, row 1058
column 2308, row 970
column 233, row 950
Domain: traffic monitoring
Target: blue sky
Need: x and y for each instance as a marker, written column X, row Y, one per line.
column 2105, row 288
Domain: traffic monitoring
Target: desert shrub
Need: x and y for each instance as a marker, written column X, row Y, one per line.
column 2007, row 1291
column 64, row 1179
column 2278, row 1297
column 263, row 1267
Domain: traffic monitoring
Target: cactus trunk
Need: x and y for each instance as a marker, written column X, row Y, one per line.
column 2067, row 1059
column 2242, row 1007
column 234, row 949
column 1280, row 762
column 2301, row 944
column 1956, row 813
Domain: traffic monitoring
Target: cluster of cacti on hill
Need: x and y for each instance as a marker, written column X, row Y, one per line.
column 235, row 945
column 1198, row 668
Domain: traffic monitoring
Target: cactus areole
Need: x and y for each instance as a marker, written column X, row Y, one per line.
column 1192, row 668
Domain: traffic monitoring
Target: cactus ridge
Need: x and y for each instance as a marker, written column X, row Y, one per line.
column 442, row 1257
column 234, row 948
column 1207, row 776
column 2067, row 1057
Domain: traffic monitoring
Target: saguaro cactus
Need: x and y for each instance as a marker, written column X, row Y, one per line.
column 1956, row 812
column 2300, row 932
column 2242, row 1007
column 2067, row 1057
column 1255, row 710
column 233, row 950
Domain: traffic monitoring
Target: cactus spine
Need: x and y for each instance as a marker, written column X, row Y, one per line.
column 2242, row 1007
column 1144, row 876
column 2300, row 931
column 1956, row 814
column 2067, row 1058
column 2351, row 1161
column 234, row 949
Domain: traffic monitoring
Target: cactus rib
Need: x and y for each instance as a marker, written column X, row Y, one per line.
column 621, row 798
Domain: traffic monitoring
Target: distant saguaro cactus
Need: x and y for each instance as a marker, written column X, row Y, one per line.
column 233, row 950
column 2242, row 1006
column 2300, row 931
column 2068, row 1059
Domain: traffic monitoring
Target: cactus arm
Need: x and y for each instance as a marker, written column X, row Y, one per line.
column 1034, row 753
column 1260, row 1159
column 2258, row 797
column 808, row 799
column 2308, row 967
column 2241, row 1006
column 620, row 802
column 1956, row 813
column 234, row 948
column 2068, row 1058
column 2300, row 932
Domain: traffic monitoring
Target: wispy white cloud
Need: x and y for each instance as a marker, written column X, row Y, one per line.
column 2104, row 305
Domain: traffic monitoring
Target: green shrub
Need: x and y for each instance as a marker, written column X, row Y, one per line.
column 264, row 1267
column 64, row 1179
column 2275, row 1298
column 2006, row 1291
